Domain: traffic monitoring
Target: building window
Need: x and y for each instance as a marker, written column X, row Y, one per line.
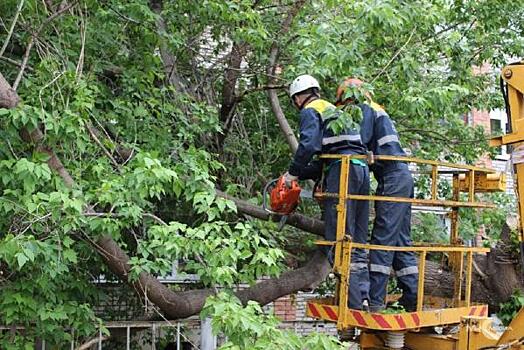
column 495, row 127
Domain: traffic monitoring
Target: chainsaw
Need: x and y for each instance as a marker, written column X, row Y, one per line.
column 282, row 199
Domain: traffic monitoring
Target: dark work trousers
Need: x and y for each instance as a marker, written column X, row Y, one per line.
column 392, row 227
column 356, row 226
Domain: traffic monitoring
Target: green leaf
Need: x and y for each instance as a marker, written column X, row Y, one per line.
column 21, row 258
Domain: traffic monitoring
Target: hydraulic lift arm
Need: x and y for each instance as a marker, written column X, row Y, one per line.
column 512, row 84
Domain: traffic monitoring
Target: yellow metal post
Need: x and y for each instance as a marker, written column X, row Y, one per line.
column 469, row 272
column 421, row 274
column 519, row 181
column 456, row 260
column 434, row 184
column 458, row 278
column 344, row 285
column 471, row 194
column 341, row 210
column 454, row 211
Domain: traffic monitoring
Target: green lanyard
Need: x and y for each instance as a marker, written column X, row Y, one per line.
column 354, row 161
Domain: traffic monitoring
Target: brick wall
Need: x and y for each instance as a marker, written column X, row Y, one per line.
column 482, row 118
column 291, row 310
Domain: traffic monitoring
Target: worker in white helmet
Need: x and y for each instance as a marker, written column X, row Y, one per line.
column 317, row 137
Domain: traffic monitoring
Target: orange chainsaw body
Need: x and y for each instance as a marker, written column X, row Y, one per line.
column 284, row 200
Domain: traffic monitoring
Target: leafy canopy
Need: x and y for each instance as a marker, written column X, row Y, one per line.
column 150, row 81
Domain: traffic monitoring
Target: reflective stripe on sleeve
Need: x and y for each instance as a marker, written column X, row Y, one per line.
column 380, row 268
column 358, row 266
column 410, row 270
column 340, row 138
column 388, row 138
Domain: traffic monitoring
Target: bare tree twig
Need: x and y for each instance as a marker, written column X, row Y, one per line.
column 260, row 88
column 12, row 28
column 92, row 132
column 394, row 56
column 15, row 63
column 116, row 215
column 119, row 14
column 33, row 222
column 87, row 345
column 80, row 64
column 49, row 5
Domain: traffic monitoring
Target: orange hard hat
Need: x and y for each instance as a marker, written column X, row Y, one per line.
column 348, row 82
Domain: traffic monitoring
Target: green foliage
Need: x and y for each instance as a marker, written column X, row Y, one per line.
column 250, row 328
column 394, row 308
column 509, row 309
column 102, row 65
column 347, row 119
column 492, row 220
column 244, row 255
column 428, row 227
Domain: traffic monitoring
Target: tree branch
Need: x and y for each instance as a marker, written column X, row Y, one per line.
column 35, row 35
column 299, row 221
column 93, row 133
column 229, row 100
column 15, row 63
column 87, row 345
column 12, row 28
column 272, row 73
column 168, row 59
column 394, row 56
column 8, row 96
column 241, row 96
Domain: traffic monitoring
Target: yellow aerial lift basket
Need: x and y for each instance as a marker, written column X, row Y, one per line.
column 415, row 330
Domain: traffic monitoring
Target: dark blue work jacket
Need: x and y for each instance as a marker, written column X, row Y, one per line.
column 380, row 137
column 316, row 137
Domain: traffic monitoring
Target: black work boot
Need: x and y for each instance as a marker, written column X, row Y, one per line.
column 408, row 305
column 376, row 308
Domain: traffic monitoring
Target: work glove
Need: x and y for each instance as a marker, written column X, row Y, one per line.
column 288, row 179
column 312, row 171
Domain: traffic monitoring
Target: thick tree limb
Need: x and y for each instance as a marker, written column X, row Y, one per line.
column 168, row 59
column 302, row 222
column 8, row 96
column 229, row 99
column 54, row 162
column 306, row 277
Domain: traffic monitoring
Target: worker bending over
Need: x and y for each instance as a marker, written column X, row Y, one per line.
column 392, row 226
column 316, row 137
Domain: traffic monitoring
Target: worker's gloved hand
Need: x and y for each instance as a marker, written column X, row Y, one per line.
column 288, row 179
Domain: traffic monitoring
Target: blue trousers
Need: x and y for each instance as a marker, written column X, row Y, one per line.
column 392, row 227
column 356, row 226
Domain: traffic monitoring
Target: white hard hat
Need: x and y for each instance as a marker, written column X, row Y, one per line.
column 303, row 83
